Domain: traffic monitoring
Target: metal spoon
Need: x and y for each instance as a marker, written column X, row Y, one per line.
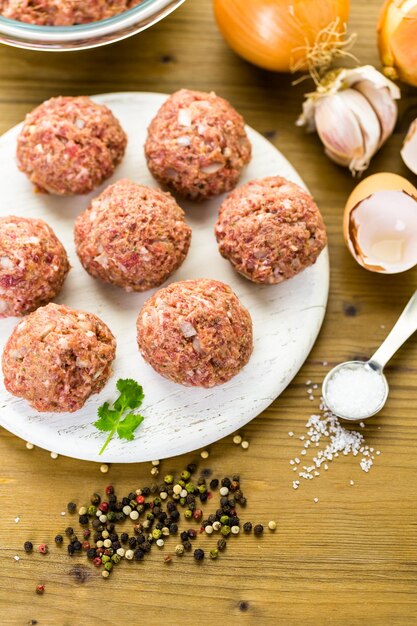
column 403, row 329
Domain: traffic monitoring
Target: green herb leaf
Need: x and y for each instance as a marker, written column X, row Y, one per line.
column 128, row 425
column 110, row 419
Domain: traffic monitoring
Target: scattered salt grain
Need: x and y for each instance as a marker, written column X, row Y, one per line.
column 29, row 445
column 63, row 513
column 316, row 500
column 205, row 454
column 351, row 482
column 290, row 434
column 54, row 455
column 16, row 558
column 155, row 463
column 17, row 520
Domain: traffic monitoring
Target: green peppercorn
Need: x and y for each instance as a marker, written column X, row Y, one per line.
column 214, row 553
column 189, row 487
column 95, row 499
column 221, row 544
column 185, row 475
column 105, row 558
column 169, row 479
column 225, row 530
column 108, row 566
column 92, row 510
column 225, row 519
column 111, row 516
column 202, row 488
column 156, row 533
column 188, row 514
column 116, row 559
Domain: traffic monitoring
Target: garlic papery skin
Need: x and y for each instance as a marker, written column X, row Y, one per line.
column 354, row 112
column 397, row 34
column 409, row 149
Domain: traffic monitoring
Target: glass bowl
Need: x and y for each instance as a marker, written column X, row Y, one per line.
column 83, row 36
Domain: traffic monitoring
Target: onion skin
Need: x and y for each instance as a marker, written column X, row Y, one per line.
column 397, row 35
column 267, row 34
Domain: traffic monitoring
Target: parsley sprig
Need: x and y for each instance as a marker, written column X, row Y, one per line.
column 110, row 417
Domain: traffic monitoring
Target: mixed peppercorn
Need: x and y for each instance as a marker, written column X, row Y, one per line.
column 156, row 512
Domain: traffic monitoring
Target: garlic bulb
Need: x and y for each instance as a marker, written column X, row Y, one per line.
column 354, row 112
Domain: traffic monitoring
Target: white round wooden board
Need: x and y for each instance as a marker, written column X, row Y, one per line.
column 286, row 317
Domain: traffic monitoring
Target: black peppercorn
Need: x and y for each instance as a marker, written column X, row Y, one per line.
column 192, row 534
column 116, row 545
column 71, row 507
column 221, row 544
column 175, row 516
column 226, row 482
column 224, row 501
column 146, row 546
column 70, row 549
column 132, row 496
column 95, row 523
column 113, row 536
column 247, row 527
column 112, row 499
column 59, row 539
column 69, row 531
column 184, row 535
column 242, row 501
column 204, row 497
column 214, row 483
column 191, row 467
column 146, row 491
column 139, row 554
column 83, row 520
column 171, row 506
column 141, row 539
column 132, row 542
column 259, row 529
column 28, row 546
column 159, row 526
column 77, row 546
column 187, row 545
column 206, row 473
column 234, row 521
column 211, row 519
column 173, row 529
column 124, row 537
column 199, row 554
column 234, row 486
column 91, row 553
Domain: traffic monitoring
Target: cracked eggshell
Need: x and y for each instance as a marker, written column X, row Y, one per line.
column 380, row 223
column 409, row 149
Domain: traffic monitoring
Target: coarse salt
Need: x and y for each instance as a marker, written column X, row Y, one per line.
column 355, row 391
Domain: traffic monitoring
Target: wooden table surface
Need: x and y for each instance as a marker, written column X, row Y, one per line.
column 349, row 559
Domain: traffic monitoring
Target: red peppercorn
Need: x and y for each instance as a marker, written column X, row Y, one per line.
column 86, row 533
column 100, row 551
column 201, row 529
column 40, row 589
column 97, row 562
column 197, row 514
column 109, row 490
column 104, row 507
column 43, row 548
column 140, row 499
column 209, row 495
column 85, row 545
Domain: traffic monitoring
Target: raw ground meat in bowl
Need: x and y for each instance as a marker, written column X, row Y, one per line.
column 63, row 12
column 132, row 236
column 33, row 265
column 70, row 145
column 195, row 332
column 197, row 145
column 270, row 230
column 57, row 357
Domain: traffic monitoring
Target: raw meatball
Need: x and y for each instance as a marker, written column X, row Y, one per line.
column 195, row 332
column 197, row 145
column 70, row 145
column 33, row 265
column 56, row 358
column 132, row 236
column 63, row 12
column 270, row 230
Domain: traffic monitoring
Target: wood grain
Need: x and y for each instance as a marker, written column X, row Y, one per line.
column 348, row 560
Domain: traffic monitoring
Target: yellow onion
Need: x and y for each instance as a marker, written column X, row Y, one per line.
column 397, row 36
column 283, row 35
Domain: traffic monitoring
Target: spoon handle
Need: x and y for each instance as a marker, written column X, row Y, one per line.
column 403, row 329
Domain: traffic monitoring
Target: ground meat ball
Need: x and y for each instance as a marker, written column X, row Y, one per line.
column 132, row 236
column 197, row 145
column 56, row 358
column 270, row 230
column 70, row 145
column 33, row 265
column 63, row 12
column 195, row 332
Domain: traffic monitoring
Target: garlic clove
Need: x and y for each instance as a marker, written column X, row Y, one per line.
column 409, row 149
column 380, row 224
column 369, row 126
column 339, row 129
column 383, row 104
